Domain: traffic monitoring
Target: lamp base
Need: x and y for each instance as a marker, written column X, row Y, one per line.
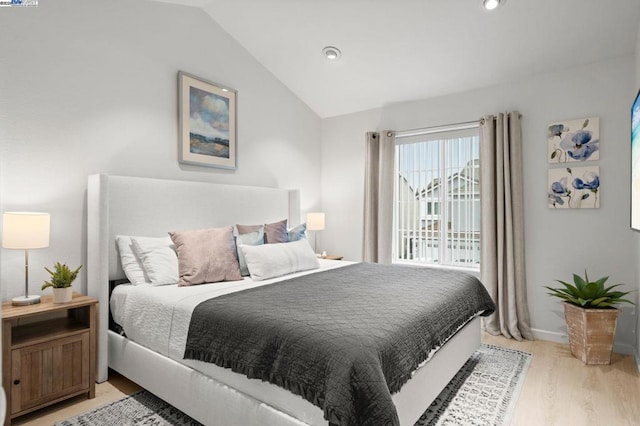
column 25, row 300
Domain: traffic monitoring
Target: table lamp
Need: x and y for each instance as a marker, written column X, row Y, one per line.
column 25, row 231
column 315, row 222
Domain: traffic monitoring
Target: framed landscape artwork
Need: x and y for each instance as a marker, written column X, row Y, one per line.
column 635, row 163
column 207, row 123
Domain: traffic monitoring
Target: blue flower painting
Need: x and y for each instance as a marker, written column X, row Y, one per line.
column 574, row 188
column 575, row 140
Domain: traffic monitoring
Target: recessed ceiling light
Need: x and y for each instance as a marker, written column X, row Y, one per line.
column 490, row 4
column 331, row 53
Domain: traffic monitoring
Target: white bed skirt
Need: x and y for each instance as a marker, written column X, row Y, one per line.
column 214, row 403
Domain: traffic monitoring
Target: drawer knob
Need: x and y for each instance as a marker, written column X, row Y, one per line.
column 16, row 382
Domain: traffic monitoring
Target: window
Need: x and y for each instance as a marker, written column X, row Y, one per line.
column 437, row 198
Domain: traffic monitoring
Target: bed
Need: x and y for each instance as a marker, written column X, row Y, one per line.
column 210, row 394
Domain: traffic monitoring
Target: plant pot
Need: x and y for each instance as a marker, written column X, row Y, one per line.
column 62, row 295
column 591, row 332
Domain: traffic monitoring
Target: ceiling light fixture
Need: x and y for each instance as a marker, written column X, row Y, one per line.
column 331, row 53
column 490, row 4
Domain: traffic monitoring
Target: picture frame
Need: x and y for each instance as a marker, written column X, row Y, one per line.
column 574, row 141
column 207, row 114
column 574, row 188
column 635, row 163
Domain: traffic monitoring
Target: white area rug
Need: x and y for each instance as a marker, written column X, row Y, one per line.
column 483, row 393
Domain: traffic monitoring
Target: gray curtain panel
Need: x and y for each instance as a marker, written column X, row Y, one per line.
column 378, row 196
column 502, row 266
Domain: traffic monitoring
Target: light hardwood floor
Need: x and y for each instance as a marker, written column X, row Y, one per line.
column 559, row 390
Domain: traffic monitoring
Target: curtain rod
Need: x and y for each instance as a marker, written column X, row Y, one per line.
column 437, row 129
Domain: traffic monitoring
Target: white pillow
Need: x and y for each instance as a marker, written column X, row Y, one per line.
column 274, row 260
column 131, row 263
column 159, row 259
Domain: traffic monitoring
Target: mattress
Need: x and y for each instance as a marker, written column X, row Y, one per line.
column 158, row 318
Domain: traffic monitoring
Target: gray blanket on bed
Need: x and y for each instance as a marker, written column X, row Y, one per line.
column 343, row 339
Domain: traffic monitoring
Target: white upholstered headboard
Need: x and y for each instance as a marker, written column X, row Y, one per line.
column 120, row 205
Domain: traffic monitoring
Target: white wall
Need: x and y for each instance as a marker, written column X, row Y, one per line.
column 558, row 243
column 91, row 87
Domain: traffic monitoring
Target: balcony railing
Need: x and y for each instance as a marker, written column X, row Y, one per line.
column 463, row 247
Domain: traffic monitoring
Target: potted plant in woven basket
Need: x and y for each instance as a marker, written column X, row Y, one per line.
column 591, row 315
column 61, row 279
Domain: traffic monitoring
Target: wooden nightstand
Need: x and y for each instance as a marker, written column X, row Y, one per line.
column 48, row 353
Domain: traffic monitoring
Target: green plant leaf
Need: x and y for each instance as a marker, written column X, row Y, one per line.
column 579, row 282
column 570, row 287
column 608, row 289
column 561, row 293
column 590, row 290
column 567, row 298
column 618, row 294
column 598, row 301
column 601, row 282
column 564, row 290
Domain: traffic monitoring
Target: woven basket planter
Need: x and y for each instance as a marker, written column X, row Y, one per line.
column 591, row 332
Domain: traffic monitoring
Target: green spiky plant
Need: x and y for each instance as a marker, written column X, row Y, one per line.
column 590, row 294
column 62, row 276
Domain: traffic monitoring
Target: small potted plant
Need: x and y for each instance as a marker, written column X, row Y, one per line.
column 61, row 279
column 591, row 315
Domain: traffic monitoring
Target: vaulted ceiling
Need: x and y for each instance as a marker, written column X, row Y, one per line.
column 399, row 50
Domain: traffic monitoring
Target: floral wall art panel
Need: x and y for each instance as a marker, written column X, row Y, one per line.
column 574, row 140
column 574, row 188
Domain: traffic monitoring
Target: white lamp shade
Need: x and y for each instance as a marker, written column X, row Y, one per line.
column 315, row 221
column 25, row 230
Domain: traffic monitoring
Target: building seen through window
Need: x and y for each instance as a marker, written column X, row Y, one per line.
column 437, row 199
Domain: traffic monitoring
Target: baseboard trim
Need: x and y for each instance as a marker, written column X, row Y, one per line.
column 624, row 348
column 550, row 336
column 553, row 336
